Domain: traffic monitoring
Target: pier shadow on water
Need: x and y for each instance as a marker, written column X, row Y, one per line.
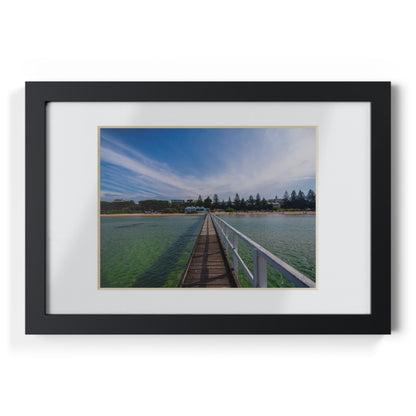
column 137, row 224
column 158, row 274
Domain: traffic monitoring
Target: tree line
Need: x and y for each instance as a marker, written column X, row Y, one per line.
column 294, row 201
column 299, row 200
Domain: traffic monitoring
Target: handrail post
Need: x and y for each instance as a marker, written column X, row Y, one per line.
column 261, row 258
column 260, row 270
column 235, row 249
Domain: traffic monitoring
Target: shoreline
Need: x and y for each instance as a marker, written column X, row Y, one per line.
column 216, row 213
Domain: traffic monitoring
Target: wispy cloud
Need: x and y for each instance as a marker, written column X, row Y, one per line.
column 269, row 162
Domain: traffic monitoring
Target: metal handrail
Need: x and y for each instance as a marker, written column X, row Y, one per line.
column 261, row 257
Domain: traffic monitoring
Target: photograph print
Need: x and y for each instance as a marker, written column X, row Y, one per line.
column 207, row 207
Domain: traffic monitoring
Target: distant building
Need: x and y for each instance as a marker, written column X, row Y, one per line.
column 276, row 202
column 176, row 201
column 119, row 200
column 196, row 210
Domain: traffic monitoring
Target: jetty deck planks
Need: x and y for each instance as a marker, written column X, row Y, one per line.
column 208, row 266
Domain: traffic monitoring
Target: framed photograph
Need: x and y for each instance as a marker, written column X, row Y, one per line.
column 208, row 207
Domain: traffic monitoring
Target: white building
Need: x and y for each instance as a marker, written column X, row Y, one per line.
column 196, row 210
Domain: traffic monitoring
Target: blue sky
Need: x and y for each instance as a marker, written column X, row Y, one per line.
column 182, row 163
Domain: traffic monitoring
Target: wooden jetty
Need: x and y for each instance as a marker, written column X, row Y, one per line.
column 209, row 265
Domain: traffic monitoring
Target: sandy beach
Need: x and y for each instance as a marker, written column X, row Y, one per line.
column 216, row 213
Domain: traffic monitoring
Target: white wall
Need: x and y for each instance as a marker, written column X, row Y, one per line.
column 216, row 40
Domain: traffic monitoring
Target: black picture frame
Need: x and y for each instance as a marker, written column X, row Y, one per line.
column 38, row 94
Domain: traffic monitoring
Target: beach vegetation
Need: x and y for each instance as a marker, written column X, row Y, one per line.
column 297, row 201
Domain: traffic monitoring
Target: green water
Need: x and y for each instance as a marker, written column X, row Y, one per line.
column 289, row 237
column 153, row 251
column 146, row 252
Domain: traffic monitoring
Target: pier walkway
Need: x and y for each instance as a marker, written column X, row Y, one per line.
column 208, row 265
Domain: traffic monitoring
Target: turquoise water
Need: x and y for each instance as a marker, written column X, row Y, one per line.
column 153, row 251
column 289, row 237
column 146, row 251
